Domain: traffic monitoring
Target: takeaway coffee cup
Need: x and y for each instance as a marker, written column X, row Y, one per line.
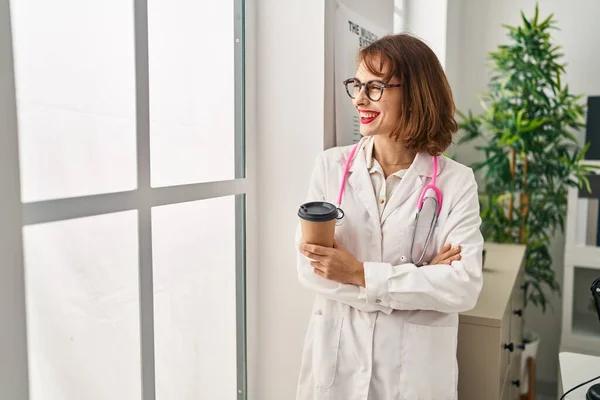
column 318, row 219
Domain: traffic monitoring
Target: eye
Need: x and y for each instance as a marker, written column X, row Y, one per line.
column 375, row 87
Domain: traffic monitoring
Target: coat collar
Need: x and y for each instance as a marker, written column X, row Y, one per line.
column 414, row 179
column 360, row 181
column 422, row 164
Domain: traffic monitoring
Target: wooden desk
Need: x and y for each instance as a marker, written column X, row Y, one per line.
column 489, row 336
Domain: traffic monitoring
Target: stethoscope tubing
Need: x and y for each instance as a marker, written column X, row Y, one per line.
column 432, row 186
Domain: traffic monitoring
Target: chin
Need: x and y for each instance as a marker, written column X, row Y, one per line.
column 367, row 133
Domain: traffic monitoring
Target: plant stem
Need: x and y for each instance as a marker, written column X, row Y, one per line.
column 524, row 203
column 510, row 194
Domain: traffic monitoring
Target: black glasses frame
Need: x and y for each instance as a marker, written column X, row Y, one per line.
column 358, row 83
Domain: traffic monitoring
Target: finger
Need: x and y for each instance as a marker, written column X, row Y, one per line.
column 449, row 253
column 313, row 256
column 303, row 250
column 443, row 253
column 318, row 266
column 320, row 273
column 449, row 260
column 316, row 249
column 442, row 261
column 453, row 250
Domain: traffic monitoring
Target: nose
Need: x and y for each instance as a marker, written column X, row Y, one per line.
column 361, row 98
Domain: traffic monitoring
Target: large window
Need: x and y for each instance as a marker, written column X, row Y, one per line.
column 132, row 193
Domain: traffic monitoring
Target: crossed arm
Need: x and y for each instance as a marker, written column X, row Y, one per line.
column 450, row 283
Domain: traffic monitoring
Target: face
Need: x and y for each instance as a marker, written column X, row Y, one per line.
column 377, row 117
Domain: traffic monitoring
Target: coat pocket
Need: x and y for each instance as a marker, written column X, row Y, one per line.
column 326, row 345
column 429, row 367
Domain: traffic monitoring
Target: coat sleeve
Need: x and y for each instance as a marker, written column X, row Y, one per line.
column 351, row 295
column 443, row 288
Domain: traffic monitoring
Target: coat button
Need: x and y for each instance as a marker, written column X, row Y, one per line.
column 378, row 301
column 402, row 258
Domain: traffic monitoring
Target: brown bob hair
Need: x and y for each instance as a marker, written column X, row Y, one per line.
column 427, row 117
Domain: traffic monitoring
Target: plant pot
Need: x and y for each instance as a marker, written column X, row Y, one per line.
column 531, row 340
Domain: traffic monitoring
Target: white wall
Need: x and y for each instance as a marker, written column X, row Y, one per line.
column 453, row 44
column 426, row 19
column 377, row 11
column 292, row 118
column 289, row 129
column 474, row 29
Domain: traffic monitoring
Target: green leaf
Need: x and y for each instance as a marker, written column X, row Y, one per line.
column 532, row 125
column 583, row 151
column 462, row 115
column 547, row 22
column 570, row 136
column 519, row 118
column 526, row 22
column 586, row 181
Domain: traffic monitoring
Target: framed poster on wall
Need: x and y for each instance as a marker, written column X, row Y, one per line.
column 352, row 32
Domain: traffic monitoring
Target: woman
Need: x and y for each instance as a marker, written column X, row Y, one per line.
column 385, row 319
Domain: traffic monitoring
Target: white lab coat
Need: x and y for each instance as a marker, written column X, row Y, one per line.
column 396, row 338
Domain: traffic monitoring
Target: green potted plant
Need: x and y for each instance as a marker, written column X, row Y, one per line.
column 531, row 154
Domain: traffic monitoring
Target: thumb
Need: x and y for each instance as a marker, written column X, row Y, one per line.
column 337, row 245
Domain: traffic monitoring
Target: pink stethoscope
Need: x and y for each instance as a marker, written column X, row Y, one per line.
column 437, row 200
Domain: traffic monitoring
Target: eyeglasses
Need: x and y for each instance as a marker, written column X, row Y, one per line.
column 373, row 89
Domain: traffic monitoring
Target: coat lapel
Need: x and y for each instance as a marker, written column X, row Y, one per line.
column 360, row 181
column 417, row 176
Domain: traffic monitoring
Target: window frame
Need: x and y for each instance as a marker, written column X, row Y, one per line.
column 143, row 199
column 13, row 343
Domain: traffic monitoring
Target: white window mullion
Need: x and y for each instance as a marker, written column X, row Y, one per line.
column 13, row 335
column 240, row 202
column 91, row 197
column 87, row 206
column 146, row 285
